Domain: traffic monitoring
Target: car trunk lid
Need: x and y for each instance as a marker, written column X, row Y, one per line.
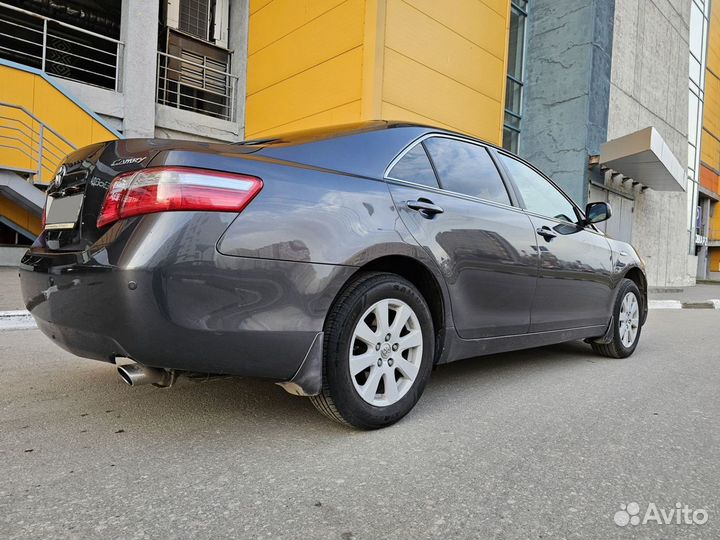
column 75, row 196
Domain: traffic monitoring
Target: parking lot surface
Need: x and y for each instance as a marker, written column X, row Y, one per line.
column 546, row 443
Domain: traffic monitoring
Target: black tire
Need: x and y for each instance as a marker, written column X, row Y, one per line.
column 339, row 400
column 616, row 348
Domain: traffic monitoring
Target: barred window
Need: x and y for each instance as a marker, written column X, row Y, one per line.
column 195, row 17
column 515, row 75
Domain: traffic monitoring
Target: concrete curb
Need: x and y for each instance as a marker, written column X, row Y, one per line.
column 677, row 304
column 16, row 320
column 664, row 304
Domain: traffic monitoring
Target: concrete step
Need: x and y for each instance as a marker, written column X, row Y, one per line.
column 16, row 320
column 20, row 191
column 712, row 303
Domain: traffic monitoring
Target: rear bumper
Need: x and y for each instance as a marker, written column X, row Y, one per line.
column 213, row 314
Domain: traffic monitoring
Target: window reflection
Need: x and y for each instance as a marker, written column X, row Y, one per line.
column 466, row 168
column 539, row 195
column 415, row 167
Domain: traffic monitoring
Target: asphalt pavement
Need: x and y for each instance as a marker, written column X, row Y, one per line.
column 10, row 297
column 547, row 443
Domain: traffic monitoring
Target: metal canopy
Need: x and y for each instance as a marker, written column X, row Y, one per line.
column 646, row 158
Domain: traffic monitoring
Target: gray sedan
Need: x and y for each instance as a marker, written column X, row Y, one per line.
column 343, row 263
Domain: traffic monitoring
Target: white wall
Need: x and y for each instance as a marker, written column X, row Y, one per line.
column 649, row 87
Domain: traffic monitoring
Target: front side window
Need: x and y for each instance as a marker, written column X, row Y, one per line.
column 466, row 168
column 539, row 195
column 415, row 167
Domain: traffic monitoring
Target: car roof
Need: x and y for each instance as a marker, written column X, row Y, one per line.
column 361, row 149
column 344, row 130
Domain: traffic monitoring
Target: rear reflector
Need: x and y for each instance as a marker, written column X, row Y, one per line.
column 165, row 189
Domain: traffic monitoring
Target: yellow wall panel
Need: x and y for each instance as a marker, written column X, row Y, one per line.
column 329, row 85
column 710, row 150
column 100, row 133
column 314, row 61
column 715, row 224
column 344, row 114
column 714, row 257
column 17, row 88
column 412, row 86
column 409, row 31
column 710, row 145
column 476, row 20
column 256, row 5
column 332, row 33
column 711, row 120
column 498, row 6
column 394, row 112
column 281, row 17
column 55, row 109
column 19, row 215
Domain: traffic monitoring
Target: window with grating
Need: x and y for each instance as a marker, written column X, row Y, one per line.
column 195, row 17
column 515, row 75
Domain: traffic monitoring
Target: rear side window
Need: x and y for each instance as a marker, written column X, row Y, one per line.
column 466, row 168
column 415, row 166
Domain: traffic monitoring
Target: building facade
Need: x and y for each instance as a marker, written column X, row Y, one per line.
column 605, row 96
column 618, row 127
column 708, row 221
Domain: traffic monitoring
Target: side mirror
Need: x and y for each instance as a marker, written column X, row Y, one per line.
column 597, row 212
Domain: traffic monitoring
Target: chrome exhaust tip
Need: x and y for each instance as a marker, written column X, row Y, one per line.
column 137, row 374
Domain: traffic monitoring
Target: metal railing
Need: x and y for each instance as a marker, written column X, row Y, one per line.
column 58, row 48
column 29, row 145
column 200, row 85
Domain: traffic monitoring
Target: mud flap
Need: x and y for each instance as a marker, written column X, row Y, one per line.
column 607, row 337
column 307, row 381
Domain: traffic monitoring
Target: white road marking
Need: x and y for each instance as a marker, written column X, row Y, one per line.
column 16, row 320
column 665, row 304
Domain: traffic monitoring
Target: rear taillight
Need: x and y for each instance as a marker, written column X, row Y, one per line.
column 165, row 189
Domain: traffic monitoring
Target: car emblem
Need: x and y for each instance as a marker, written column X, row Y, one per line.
column 127, row 161
column 59, row 176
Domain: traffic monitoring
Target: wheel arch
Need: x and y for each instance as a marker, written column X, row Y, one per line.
column 637, row 276
column 423, row 278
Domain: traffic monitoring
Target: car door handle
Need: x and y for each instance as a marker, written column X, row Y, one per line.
column 425, row 207
column 546, row 232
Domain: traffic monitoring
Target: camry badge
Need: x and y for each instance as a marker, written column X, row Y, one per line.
column 127, row 161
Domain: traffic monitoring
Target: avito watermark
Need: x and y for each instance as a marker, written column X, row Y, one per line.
column 680, row 514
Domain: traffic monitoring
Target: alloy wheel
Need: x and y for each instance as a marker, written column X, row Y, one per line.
column 386, row 352
column 629, row 320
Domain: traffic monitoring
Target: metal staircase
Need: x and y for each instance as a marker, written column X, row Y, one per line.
column 31, row 148
column 31, row 152
column 40, row 121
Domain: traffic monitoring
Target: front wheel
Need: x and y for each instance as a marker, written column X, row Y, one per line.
column 627, row 323
column 378, row 352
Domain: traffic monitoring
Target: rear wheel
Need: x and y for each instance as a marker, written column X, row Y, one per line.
column 627, row 327
column 378, row 352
